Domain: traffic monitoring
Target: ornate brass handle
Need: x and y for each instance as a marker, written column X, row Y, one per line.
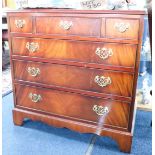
column 20, row 23
column 35, row 97
column 100, row 110
column 32, row 47
column 102, row 81
column 33, row 71
column 122, row 27
column 66, row 25
column 104, row 53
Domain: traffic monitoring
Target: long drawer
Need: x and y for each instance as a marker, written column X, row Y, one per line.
column 80, row 51
column 102, row 81
column 73, row 105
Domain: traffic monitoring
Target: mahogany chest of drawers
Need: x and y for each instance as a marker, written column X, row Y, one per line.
column 77, row 69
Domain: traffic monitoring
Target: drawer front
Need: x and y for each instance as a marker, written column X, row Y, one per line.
column 21, row 24
column 121, row 28
column 90, row 52
column 73, row 105
column 102, row 81
column 68, row 26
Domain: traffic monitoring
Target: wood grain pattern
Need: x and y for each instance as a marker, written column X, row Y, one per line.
column 80, row 26
column 123, row 54
column 130, row 33
column 75, row 63
column 78, row 91
column 27, row 28
column 75, row 77
column 77, row 38
column 74, row 105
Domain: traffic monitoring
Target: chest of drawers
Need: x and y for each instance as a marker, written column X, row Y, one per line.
column 77, row 69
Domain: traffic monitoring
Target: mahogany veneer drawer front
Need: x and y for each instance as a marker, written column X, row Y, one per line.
column 81, row 51
column 21, row 24
column 122, row 28
column 102, row 81
column 68, row 26
column 73, row 105
column 77, row 69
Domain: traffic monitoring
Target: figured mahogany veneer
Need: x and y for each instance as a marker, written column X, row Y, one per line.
column 25, row 22
column 73, row 105
column 77, row 26
column 112, row 28
column 83, row 51
column 77, row 69
column 75, row 77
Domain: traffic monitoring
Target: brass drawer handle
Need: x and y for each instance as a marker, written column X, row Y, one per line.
column 35, row 97
column 122, row 27
column 33, row 71
column 104, row 53
column 102, row 81
column 100, row 110
column 32, row 47
column 19, row 23
column 66, row 25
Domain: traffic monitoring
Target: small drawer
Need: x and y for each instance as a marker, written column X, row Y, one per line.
column 21, row 24
column 122, row 28
column 78, row 51
column 68, row 26
column 100, row 111
column 101, row 81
